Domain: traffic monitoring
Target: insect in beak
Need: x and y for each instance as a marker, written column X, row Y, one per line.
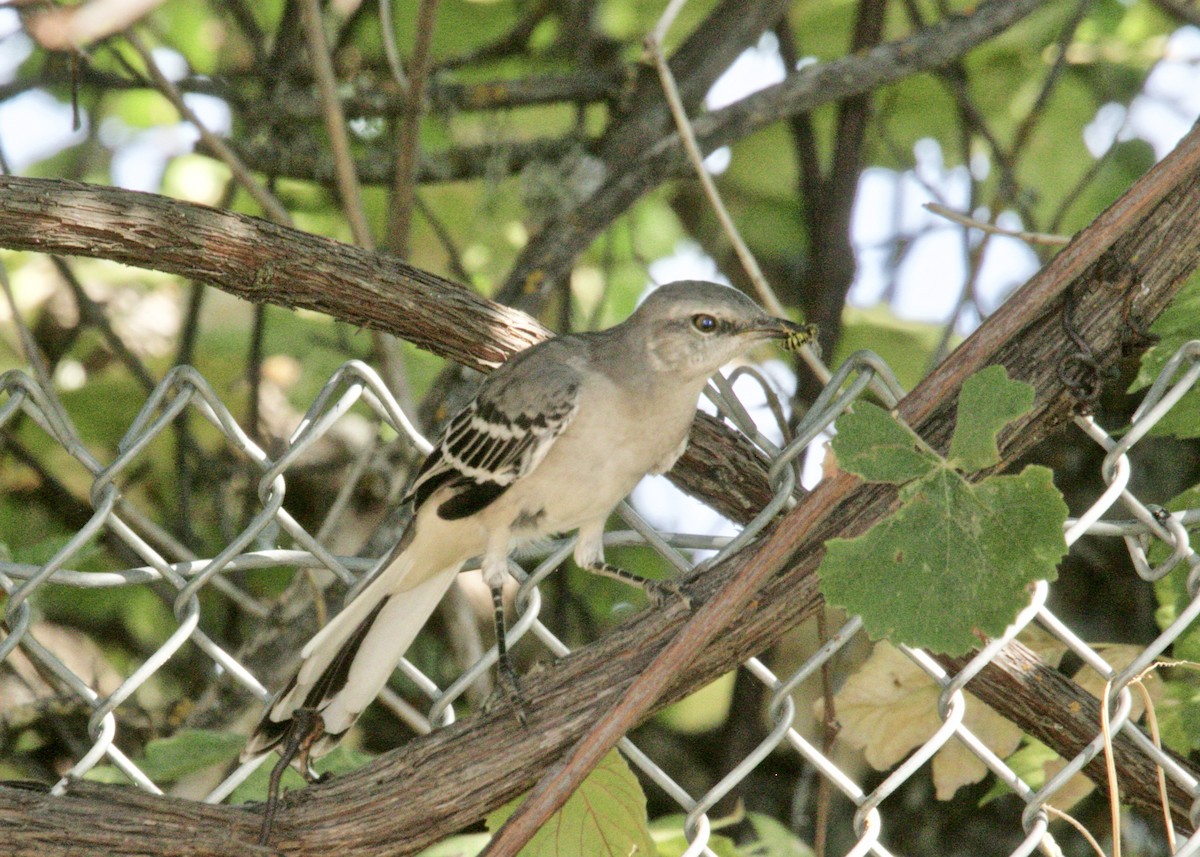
column 799, row 335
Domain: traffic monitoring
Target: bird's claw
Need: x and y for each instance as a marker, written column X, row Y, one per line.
column 509, row 689
column 661, row 592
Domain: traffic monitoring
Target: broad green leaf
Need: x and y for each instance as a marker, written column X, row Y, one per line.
column 954, row 561
column 989, row 401
column 168, row 759
column 873, row 445
column 605, row 817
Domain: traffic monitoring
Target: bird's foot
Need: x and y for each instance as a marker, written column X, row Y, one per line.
column 662, row 592
column 507, row 692
column 305, row 729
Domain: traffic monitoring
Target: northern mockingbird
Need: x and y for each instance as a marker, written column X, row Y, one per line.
column 552, row 442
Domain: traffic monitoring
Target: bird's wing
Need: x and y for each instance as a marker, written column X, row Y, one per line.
column 503, row 434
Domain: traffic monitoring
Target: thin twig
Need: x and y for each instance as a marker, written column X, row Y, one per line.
column 984, row 226
column 687, row 136
column 404, row 181
column 408, row 139
column 388, row 29
column 765, row 293
column 1074, row 822
column 511, row 42
column 1025, row 129
column 335, row 125
column 453, row 256
column 262, row 196
column 92, row 313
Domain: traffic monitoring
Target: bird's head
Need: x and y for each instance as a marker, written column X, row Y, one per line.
column 693, row 328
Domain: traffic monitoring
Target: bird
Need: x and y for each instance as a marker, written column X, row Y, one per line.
column 551, row 442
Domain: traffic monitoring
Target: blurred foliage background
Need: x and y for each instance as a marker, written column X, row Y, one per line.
column 528, row 113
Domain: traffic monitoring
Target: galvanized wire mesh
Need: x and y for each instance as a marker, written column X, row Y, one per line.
column 165, row 560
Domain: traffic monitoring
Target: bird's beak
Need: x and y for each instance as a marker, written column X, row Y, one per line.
column 795, row 335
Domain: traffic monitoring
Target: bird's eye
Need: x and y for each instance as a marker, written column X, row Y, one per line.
column 704, row 323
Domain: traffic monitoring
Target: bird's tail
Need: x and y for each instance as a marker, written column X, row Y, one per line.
column 343, row 668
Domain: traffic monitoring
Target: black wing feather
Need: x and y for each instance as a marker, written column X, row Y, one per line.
column 487, row 446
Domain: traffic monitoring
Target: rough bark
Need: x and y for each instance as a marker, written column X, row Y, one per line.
column 266, row 263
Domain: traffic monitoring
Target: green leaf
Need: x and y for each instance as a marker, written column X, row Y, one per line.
column 873, row 445
column 1179, row 323
column 954, row 561
column 1028, row 763
column 669, row 837
column 703, row 710
column 605, row 817
column 775, row 840
column 906, row 346
column 339, row 761
column 1179, row 714
column 169, row 759
column 988, row 402
column 166, row 760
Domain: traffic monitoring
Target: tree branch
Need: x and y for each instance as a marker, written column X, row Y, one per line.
column 266, row 263
column 639, row 164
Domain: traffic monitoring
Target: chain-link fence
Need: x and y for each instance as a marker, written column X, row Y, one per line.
column 166, row 561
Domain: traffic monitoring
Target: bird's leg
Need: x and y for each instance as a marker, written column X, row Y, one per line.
column 504, row 668
column 495, row 572
column 589, row 555
column 658, row 591
column 306, row 727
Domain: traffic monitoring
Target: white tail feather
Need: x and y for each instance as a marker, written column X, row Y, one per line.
column 392, row 632
column 412, row 593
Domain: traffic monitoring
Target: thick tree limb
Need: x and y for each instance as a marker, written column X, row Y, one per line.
column 265, row 263
column 1127, row 265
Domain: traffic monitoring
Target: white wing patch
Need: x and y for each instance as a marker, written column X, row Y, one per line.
column 493, row 442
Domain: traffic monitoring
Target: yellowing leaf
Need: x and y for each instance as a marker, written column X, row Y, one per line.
column 1034, row 756
column 888, row 708
column 1119, row 656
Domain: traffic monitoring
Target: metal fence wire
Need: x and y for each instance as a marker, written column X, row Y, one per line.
column 355, row 383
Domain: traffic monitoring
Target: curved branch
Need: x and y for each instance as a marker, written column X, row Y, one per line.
column 266, row 263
